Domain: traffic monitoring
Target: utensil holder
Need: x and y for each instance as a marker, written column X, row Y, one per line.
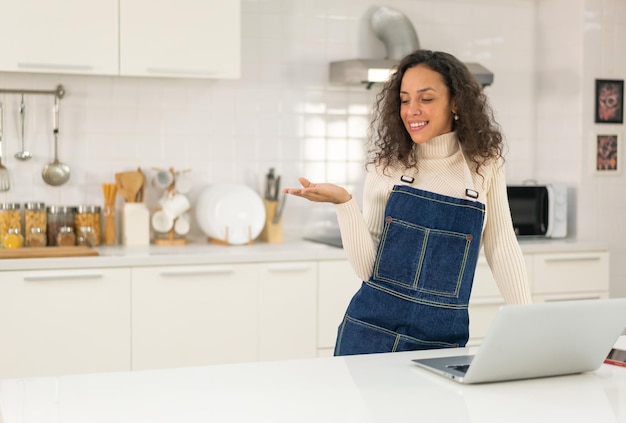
column 272, row 232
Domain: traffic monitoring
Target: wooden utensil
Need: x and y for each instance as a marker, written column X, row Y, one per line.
column 129, row 184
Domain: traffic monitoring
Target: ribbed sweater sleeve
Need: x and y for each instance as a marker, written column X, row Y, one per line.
column 441, row 170
column 501, row 247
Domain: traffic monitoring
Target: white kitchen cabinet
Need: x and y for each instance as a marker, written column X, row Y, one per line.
column 185, row 39
column 557, row 276
column 287, row 310
column 194, row 315
column 61, row 36
column 337, row 284
column 484, row 302
column 64, row 321
column 563, row 276
column 188, row 38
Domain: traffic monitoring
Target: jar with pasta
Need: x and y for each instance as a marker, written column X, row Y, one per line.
column 88, row 216
column 10, row 218
column 35, row 224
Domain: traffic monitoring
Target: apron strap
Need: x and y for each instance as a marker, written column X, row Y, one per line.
column 470, row 192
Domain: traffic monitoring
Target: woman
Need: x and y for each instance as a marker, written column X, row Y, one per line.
column 435, row 193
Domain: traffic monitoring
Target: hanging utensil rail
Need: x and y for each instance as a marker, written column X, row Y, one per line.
column 59, row 92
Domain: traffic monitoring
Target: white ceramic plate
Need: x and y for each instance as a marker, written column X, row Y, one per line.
column 230, row 212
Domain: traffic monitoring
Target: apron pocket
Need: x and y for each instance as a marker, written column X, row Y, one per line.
column 418, row 258
column 358, row 337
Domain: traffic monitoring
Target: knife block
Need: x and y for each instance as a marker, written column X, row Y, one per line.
column 272, row 232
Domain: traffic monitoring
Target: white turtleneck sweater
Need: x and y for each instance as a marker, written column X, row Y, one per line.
column 440, row 169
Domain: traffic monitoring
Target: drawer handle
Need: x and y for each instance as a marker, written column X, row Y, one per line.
column 289, row 268
column 486, row 301
column 173, row 71
column 62, row 277
column 591, row 297
column 568, row 259
column 54, row 66
column 205, row 272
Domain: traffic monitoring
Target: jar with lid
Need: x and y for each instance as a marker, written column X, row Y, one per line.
column 86, row 236
column 35, row 224
column 13, row 239
column 59, row 217
column 66, row 237
column 10, row 218
column 88, row 217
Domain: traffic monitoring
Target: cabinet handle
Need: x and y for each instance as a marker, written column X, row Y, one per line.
column 213, row 271
column 486, row 301
column 62, row 277
column 289, row 267
column 589, row 297
column 181, row 71
column 54, row 66
column 567, row 259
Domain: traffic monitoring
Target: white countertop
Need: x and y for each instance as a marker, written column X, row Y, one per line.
column 205, row 253
column 367, row 388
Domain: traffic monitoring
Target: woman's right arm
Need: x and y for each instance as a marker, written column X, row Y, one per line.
column 360, row 231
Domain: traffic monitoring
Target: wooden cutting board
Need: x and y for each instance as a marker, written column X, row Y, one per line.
column 44, row 252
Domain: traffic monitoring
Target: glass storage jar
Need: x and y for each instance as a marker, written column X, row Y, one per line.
column 89, row 217
column 13, row 239
column 66, row 237
column 10, row 218
column 86, row 236
column 35, row 224
column 59, row 217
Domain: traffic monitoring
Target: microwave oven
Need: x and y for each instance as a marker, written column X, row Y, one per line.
column 538, row 210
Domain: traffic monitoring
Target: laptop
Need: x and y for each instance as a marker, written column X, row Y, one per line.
column 539, row 340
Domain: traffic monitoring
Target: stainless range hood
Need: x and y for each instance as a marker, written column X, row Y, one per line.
column 399, row 37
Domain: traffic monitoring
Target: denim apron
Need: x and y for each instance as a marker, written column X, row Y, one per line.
column 418, row 294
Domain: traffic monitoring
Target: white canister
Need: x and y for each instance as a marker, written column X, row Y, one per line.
column 135, row 224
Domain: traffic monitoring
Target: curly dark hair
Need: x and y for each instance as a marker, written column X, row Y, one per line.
column 477, row 131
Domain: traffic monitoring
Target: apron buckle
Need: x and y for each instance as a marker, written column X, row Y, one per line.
column 471, row 193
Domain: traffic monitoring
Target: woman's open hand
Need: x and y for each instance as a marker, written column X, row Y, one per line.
column 321, row 193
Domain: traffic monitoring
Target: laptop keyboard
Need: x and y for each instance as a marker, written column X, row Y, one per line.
column 460, row 367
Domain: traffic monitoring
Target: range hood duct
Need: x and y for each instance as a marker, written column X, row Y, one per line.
column 396, row 32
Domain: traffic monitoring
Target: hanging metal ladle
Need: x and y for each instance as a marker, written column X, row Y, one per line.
column 23, row 155
column 56, row 173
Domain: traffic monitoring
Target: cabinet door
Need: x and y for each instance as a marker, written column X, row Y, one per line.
column 194, row 315
column 485, row 302
column 571, row 273
column 188, row 38
column 287, row 310
column 61, row 36
column 337, row 283
column 56, row 322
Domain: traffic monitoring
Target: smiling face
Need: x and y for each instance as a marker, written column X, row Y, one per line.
column 425, row 106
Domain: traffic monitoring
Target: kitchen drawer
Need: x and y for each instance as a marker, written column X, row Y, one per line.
column 194, row 315
column 570, row 272
column 67, row 321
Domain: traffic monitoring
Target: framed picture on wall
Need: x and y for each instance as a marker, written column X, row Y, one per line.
column 608, row 154
column 609, row 101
